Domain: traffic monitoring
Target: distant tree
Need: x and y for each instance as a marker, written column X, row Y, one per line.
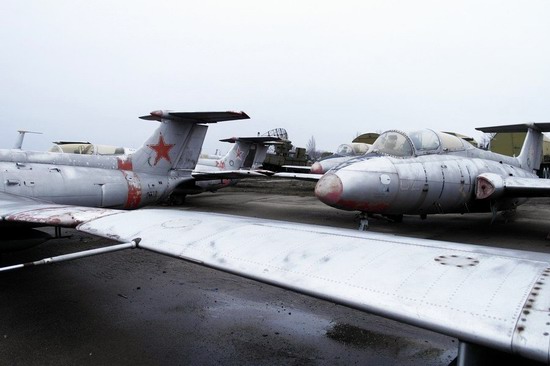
column 311, row 149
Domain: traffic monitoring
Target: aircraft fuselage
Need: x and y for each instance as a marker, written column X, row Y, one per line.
column 95, row 181
column 442, row 183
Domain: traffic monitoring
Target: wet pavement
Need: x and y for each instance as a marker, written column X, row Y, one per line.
column 136, row 307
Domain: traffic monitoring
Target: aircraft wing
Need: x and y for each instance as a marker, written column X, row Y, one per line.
column 498, row 298
column 300, row 176
column 492, row 186
column 229, row 174
column 21, row 209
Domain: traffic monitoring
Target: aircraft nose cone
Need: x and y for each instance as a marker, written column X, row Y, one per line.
column 316, row 168
column 329, row 189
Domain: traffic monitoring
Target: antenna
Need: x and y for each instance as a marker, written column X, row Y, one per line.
column 19, row 142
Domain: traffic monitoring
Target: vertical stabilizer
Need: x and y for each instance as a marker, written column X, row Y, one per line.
column 248, row 152
column 177, row 142
column 530, row 156
column 235, row 158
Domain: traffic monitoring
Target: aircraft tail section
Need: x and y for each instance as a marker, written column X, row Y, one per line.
column 248, row 152
column 177, row 142
column 530, row 156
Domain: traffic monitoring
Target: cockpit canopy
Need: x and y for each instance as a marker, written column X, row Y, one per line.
column 420, row 142
column 352, row 149
column 86, row 148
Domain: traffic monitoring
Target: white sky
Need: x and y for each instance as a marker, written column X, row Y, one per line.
column 87, row 69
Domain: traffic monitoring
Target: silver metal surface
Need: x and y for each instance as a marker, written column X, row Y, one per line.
column 392, row 276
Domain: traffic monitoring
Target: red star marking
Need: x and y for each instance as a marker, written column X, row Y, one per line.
column 239, row 153
column 162, row 149
column 220, row 164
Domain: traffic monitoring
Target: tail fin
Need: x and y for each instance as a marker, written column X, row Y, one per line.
column 248, row 152
column 177, row 142
column 530, row 156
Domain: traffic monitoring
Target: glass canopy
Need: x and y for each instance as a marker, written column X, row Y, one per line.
column 420, row 142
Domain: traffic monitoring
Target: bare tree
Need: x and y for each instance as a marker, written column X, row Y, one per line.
column 311, row 149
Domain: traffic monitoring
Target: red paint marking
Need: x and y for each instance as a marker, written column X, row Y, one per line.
column 162, row 150
column 134, row 190
column 239, row 153
column 125, row 164
column 220, row 164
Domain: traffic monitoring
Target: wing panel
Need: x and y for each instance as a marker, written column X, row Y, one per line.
column 491, row 185
column 474, row 293
column 526, row 187
column 301, row 176
column 27, row 210
column 226, row 174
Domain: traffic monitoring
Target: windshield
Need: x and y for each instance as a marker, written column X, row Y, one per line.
column 393, row 143
column 344, row 150
column 424, row 140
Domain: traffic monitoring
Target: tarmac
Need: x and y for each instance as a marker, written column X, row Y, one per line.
column 140, row 308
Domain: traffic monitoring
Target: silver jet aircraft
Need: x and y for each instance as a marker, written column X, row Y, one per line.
column 427, row 172
column 343, row 153
column 148, row 176
column 210, row 174
column 243, row 160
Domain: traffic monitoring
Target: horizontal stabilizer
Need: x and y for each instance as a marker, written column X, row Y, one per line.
column 253, row 139
column 197, row 117
column 522, row 127
column 229, row 174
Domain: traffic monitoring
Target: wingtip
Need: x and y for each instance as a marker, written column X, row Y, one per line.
column 154, row 115
column 242, row 113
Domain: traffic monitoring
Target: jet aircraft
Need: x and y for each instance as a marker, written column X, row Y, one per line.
column 147, row 176
column 343, row 153
column 428, row 172
column 209, row 174
column 243, row 160
column 488, row 298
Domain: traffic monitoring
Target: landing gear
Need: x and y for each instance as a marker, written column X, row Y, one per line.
column 176, row 199
column 363, row 218
column 395, row 218
column 363, row 221
column 57, row 231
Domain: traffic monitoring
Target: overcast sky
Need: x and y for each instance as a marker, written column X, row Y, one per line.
column 86, row 70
